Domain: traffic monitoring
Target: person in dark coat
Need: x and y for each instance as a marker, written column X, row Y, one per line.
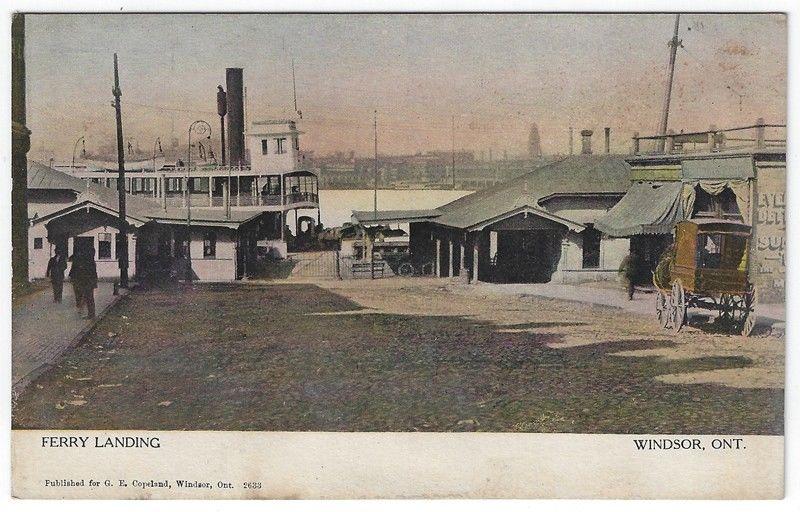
column 630, row 269
column 56, row 267
column 84, row 280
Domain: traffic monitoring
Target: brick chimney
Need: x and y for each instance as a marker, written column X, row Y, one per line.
column 586, row 142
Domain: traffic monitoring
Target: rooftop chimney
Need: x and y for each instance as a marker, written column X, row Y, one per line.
column 586, row 142
column 608, row 139
column 235, row 115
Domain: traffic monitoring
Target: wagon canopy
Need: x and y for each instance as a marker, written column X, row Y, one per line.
column 648, row 208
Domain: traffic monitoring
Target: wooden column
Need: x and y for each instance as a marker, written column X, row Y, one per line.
column 437, row 262
column 463, row 266
column 476, row 242
column 210, row 191
column 450, row 259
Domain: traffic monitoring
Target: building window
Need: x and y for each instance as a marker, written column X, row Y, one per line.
column 104, row 246
column 296, row 142
column 591, row 247
column 264, row 146
column 210, row 245
column 38, row 243
column 280, row 144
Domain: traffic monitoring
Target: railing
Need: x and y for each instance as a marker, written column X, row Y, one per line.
column 203, row 200
column 759, row 136
column 302, row 197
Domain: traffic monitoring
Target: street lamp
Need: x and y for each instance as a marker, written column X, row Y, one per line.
column 156, row 144
column 202, row 128
column 75, row 147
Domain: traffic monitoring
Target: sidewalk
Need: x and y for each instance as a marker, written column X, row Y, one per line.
column 642, row 303
column 42, row 330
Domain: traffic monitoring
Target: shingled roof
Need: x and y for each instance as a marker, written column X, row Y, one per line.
column 574, row 175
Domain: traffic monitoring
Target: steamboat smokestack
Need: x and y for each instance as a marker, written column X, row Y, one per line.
column 222, row 109
column 608, row 139
column 235, row 100
column 586, row 142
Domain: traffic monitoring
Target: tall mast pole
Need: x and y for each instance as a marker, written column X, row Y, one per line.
column 375, row 177
column 673, row 49
column 122, row 247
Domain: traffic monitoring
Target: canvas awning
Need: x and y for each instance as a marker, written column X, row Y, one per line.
column 647, row 208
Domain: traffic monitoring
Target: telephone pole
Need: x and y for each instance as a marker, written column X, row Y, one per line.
column 375, row 177
column 673, row 49
column 122, row 246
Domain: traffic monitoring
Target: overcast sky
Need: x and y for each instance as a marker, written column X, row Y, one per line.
column 496, row 74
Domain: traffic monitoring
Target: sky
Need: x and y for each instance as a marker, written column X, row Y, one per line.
column 489, row 76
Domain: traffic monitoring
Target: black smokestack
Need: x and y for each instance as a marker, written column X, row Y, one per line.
column 235, row 115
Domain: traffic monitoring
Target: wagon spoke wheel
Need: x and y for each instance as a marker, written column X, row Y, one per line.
column 678, row 306
column 727, row 307
column 748, row 311
column 663, row 309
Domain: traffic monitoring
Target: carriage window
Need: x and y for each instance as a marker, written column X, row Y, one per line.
column 710, row 253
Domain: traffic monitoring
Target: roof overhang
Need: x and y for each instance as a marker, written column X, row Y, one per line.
column 569, row 224
column 88, row 205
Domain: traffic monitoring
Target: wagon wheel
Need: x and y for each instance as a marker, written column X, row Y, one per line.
column 663, row 309
column 406, row 269
column 748, row 311
column 678, row 306
column 727, row 308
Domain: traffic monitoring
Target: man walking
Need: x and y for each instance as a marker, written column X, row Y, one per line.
column 630, row 272
column 56, row 267
column 84, row 280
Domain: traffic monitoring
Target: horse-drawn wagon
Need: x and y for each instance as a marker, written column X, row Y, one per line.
column 707, row 268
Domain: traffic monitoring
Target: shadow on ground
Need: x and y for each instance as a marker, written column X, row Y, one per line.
column 232, row 357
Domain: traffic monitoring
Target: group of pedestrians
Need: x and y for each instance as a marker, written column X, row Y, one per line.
column 82, row 274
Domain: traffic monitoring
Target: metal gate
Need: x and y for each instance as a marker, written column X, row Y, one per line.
column 323, row 264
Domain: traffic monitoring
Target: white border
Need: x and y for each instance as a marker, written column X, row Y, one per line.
column 793, row 235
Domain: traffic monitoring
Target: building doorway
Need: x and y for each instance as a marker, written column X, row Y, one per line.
column 648, row 249
column 83, row 245
column 526, row 256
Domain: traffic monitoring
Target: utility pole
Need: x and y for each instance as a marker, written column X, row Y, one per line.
column 122, row 247
column 375, row 174
column 673, row 49
column 374, row 201
column 453, row 147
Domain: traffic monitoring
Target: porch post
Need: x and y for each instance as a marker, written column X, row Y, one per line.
column 210, row 190
column 185, row 190
column 163, row 190
column 437, row 262
column 238, row 190
column 476, row 241
column 450, row 259
column 463, row 266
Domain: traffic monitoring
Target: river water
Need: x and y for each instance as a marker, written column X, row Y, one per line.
column 337, row 205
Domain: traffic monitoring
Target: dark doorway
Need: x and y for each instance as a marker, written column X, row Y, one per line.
column 648, row 249
column 83, row 245
column 526, row 256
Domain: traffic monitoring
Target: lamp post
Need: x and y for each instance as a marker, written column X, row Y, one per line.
column 156, row 144
column 202, row 128
column 75, row 148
